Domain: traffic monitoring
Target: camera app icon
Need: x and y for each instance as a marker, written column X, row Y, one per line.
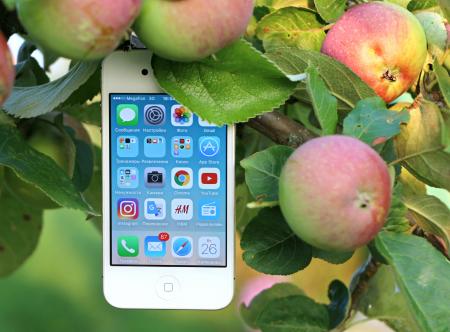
column 127, row 208
column 155, row 177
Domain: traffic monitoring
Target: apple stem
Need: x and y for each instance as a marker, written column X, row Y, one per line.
column 389, row 75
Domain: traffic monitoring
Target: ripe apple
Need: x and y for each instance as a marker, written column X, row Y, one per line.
column 383, row 43
column 45, row 137
column 78, row 29
column 7, row 72
column 188, row 30
column 335, row 193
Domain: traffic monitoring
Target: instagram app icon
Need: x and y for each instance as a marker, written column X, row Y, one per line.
column 127, row 208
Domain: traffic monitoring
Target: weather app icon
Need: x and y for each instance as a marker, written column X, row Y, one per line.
column 209, row 146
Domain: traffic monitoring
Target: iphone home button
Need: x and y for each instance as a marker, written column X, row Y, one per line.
column 167, row 287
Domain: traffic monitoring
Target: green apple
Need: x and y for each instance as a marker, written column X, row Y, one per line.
column 188, row 30
column 78, row 29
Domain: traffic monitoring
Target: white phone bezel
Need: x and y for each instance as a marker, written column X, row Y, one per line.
column 139, row 287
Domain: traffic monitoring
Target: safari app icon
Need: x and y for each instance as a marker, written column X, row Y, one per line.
column 127, row 115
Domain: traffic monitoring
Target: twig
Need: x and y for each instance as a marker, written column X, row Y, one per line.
column 281, row 129
column 363, row 282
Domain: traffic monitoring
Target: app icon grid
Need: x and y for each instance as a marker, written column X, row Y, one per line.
column 174, row 201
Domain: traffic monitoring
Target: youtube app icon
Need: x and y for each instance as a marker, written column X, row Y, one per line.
column 209, row 178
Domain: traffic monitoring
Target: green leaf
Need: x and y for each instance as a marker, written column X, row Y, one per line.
column 339, row 303
column 297, row 27
column 29, row 73
column 432, row 215
column 420, row 146
column 296, row 313
column 443, row 80
column 93, row 194
column 87, row 91
column 20, row 229
column 422, row 275
column 332, row 257
column 397, row 220
column 382, row 298
column 271, row 247
column 403, row 3
column 345, row 85
column 39, row 170
column 436, row 33
column 262, row 171
column 302, row 112
column 277, row 4
column 445, row 7
column 87, row 113
column 84, row 162
column 9, row 4
column 371, row 122
column 236, row 84
column 330, row 10
column 324, row 103
column 243, row 214
column 251, row 313
column 29, row 102
column 421, row 4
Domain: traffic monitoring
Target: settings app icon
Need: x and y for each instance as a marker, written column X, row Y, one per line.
column 154, row 114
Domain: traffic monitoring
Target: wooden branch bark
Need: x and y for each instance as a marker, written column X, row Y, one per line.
column 281, row 129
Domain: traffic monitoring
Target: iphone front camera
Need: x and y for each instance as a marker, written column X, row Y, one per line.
column 144, row 71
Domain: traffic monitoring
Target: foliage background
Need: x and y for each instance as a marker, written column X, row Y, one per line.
column 49, row 293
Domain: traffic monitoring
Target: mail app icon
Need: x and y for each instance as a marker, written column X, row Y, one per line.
column 154, row 247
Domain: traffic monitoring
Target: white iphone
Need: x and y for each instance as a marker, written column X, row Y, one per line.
column 168, row 195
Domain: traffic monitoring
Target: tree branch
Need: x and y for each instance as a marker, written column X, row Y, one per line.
column 363, row 282
column 281, row 129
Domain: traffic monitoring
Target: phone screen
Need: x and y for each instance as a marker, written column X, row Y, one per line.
column 168, row 184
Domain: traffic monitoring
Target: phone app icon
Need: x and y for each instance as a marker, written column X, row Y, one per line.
column 182, row 147
column 181, row 116
column 204, row 123
column 209, row 146
column 127, row 177
column 128, row 208
column 209, row 178
column 182, row 178
column 127, row 115
column 209, row 247
column 127, row 146
column 155, row 147
column 155, row 177
column 155, row 209
column 154, row 115
column 182, row 246
column 182, row 209
column 154, row 247
column 128, row 246
column 208, row 209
